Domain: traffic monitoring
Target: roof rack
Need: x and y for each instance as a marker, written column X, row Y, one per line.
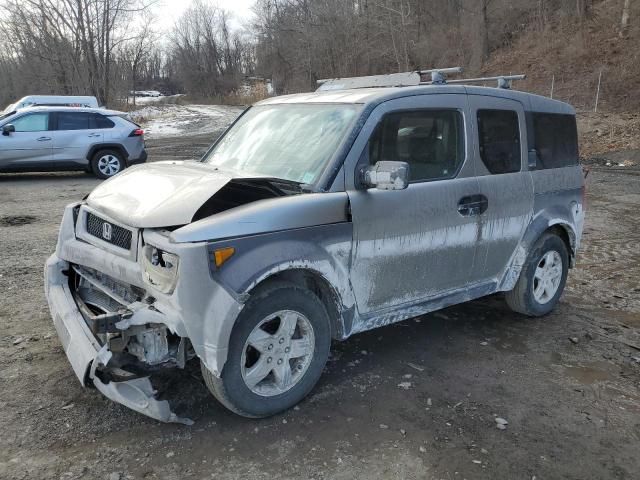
column 504, row 81
column 410, row 79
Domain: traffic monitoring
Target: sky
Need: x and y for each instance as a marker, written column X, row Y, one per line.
column 168, row 11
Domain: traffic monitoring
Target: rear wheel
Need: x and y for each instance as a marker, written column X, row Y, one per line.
column 542, row 279
column 107, row 163
column 277, row 351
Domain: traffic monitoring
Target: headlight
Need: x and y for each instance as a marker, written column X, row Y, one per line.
column 160, row 268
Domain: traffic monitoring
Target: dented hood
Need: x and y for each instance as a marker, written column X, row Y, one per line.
column 158, row 194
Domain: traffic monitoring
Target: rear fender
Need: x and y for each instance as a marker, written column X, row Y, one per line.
column 569, row 219
column 107, row 146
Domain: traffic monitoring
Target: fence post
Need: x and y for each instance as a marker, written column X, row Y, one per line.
column 553, row 81
column 595, row 108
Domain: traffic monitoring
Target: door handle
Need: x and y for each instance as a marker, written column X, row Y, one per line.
column 93, row 135
column 473, row 205
column 44, row 139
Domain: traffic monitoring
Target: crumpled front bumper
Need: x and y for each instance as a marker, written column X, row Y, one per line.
column 86, row 354
column 199, row 309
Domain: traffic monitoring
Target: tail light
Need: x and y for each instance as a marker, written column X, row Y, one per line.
column 138, row 132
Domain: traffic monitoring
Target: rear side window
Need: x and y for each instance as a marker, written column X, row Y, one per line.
column 499, row 140
column 33, row 122
column 100, row 121
column 73, row 120
column 430, row 141
column 556, row 139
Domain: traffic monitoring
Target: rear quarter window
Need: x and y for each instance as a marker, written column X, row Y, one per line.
column 556, row 140
column 100, row 121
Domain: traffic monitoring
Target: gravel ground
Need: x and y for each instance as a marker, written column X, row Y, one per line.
column 414, row 400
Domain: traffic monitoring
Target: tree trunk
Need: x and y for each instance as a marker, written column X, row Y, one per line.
column 480, row 49
column 624, row 22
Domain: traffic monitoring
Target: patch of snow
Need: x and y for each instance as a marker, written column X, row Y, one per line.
column 170, row 120
column 148, row 100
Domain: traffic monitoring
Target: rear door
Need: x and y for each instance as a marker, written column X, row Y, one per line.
column 29, row 147
column 504, row 180
column 75, row 133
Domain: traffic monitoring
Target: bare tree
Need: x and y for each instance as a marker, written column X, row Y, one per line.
column 137, row 51
column 211, row 59
column 75, row 40
column 624, row 21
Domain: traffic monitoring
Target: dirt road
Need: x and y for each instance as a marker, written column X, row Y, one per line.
column 413, row 400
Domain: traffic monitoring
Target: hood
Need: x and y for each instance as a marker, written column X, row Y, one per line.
column 159, row 194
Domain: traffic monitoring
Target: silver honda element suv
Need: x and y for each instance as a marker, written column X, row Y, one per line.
column 314, row 217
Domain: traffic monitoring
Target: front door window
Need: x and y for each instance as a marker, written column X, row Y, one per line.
column 33, row 122
column 430, row 141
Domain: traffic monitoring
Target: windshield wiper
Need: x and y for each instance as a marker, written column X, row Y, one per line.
column 283, row 184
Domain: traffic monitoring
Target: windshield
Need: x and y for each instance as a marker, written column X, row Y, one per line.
column 293, row 142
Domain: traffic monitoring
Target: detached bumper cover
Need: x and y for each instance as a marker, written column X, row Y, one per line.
column 86, row 354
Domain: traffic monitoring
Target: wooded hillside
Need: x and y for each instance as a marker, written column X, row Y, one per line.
column 109, row 47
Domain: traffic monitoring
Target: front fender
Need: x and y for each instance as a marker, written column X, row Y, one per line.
column 323, row 250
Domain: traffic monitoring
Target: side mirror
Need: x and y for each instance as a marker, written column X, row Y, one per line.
column 8, row 129
column 387, row 176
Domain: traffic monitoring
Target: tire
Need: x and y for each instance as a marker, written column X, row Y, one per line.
column 525, row 297
column 107, row 163
column 269, row 396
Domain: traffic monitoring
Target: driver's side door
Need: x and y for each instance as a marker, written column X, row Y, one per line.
column 420, row 243
column 29, row 146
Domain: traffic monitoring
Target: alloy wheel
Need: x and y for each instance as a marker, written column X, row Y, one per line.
column 109, row 165
column 547, row 277
column 277, row 353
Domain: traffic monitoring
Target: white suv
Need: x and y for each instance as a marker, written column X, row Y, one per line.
column 37, row 139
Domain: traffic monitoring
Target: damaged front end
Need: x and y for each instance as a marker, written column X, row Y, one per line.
column 120, row 312
column 114, row 343
column 135, row 285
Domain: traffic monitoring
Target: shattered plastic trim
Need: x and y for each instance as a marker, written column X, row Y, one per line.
column 137, row 394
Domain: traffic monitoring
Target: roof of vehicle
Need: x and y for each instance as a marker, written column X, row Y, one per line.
column 57, row 96
column 367, row 96
column 61, row 108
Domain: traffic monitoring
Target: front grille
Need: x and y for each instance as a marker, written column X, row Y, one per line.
column 108, row 232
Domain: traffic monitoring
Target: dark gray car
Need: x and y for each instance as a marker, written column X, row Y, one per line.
column 36, row 139
column 315, row 217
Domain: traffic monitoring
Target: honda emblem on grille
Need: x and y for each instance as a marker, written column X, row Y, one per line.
column 107, row 228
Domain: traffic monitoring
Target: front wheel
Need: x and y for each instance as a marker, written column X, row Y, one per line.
column 277, row 351
column 542, row 279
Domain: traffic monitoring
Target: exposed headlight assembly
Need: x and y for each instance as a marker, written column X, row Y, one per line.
column 160, row 268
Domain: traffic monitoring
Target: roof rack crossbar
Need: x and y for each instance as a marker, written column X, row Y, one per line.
column 412, row 79
column 402, row 79
column 504, row 81
column 439, row 75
